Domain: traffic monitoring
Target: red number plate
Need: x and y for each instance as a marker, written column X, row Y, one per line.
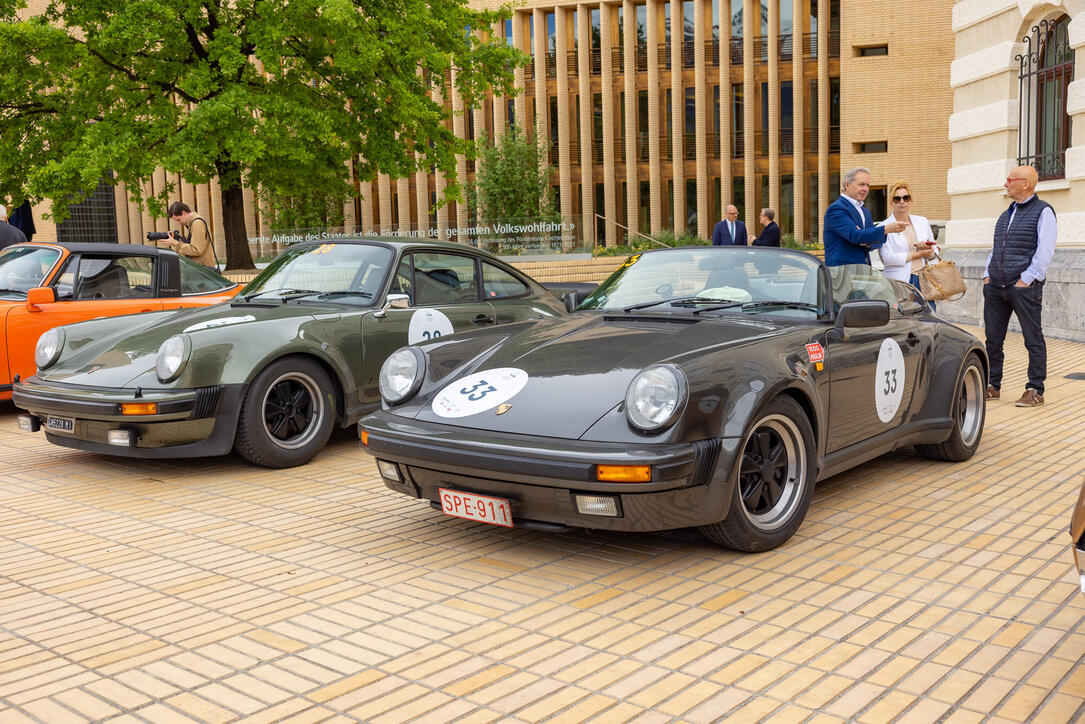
column 482, row 508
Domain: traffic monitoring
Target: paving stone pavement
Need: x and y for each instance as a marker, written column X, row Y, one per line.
column 207, row 590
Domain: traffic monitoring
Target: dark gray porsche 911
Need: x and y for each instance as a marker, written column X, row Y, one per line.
column 708, row 387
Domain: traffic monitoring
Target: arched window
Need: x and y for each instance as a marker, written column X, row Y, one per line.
column 1047, row 67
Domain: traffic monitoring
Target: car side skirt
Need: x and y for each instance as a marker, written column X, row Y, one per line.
column 925, row 431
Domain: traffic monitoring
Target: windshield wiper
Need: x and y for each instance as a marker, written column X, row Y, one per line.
column 716, row 307
column 677, row 300
column 343, row 293
column 787, row 305
column 12, row 291
column 285, row 291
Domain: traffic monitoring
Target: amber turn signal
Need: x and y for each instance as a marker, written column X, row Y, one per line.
column 364, row 437
column 624, row 473
column 139, row 408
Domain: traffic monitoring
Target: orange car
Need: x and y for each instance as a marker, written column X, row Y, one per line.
column 46, row 285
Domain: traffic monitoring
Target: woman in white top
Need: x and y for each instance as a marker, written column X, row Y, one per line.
column 906, row 252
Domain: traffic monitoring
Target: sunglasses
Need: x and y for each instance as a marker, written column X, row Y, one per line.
column 899, row 199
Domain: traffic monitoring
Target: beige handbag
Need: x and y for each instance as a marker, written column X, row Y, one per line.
column 941, row 280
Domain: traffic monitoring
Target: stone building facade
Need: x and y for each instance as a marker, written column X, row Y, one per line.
column 1018, row 84
column 662, row 112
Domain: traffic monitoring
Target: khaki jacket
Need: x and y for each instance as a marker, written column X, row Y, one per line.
column 197, row 244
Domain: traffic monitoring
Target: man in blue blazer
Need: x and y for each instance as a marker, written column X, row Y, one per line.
column 730, row 231
column 850, row 232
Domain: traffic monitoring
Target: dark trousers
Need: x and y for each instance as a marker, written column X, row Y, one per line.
column 1025, row 302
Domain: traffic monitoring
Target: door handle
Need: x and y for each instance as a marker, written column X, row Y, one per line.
column 484, row 319
column 912, row 339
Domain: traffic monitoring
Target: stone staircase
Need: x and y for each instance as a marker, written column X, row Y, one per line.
column 559, row 269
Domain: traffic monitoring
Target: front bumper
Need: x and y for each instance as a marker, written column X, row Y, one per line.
column 188, row 422
column 541, row 477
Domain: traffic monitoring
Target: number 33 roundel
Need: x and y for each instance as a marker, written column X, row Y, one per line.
column 479, row 392
column 889, row 380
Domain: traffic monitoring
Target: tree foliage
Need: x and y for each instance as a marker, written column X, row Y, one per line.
column 513, row 180
column 277, row 94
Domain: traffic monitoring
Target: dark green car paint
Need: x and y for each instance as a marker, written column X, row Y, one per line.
column 113, row 360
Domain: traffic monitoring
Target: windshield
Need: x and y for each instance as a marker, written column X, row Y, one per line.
column 344, row 273
column 24, row 267
column 713, row 278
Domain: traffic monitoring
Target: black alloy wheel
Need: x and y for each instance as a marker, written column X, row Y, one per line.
column 288, row 414
column 773, row 483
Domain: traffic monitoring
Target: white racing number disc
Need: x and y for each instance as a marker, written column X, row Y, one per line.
column 889, row 380
column 427, row 324
column 479, row 392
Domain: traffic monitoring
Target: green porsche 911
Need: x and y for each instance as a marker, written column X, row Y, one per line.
column 272, row 371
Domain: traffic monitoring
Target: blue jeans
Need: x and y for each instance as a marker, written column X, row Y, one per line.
column 914, row 281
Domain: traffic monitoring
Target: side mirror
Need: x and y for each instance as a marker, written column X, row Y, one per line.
column 863, row 313
column 573, row 299
column 393, row 301
column 40, row 295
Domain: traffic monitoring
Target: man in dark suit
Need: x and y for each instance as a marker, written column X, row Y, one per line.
column 849, row 231
column 9, row 234
column 730, row 231
column 770, row 232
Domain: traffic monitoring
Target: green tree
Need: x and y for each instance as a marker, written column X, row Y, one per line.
column 513, row 180
column 276, row 94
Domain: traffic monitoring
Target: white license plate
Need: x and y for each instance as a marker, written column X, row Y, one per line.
column 1079, row 559
column 59, row 424
column 472, row 506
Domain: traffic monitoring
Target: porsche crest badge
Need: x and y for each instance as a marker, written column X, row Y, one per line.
column 503, row 408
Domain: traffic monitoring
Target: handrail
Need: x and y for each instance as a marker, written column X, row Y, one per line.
column 631, row 231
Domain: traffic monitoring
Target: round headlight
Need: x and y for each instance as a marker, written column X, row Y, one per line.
column 655, row 397
column 401, row 374
column 172, row 356
column 48, row 349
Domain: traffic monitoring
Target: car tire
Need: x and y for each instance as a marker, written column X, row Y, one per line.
column 287, row 414
column 969, row 411
column 763, row 513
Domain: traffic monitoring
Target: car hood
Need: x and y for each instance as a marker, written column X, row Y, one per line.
column 116, row 351
column 578, row 368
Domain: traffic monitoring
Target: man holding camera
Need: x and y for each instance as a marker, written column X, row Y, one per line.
column 196, row 243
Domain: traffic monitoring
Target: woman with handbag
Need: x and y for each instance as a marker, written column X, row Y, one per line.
column 906, row 252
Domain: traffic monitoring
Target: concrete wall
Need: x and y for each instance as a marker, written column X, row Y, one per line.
column 983, row 128
column 1063, row 312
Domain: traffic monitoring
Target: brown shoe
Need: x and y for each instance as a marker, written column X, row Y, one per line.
column 1031, row 398
column 992, row 393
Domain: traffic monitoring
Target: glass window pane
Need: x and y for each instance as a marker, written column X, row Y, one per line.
column 498, row 283
column 24, row 267
column 198, row 279
column 108, row 277
column 444, row 278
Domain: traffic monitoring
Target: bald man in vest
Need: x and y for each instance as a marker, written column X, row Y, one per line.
column 1013, row 282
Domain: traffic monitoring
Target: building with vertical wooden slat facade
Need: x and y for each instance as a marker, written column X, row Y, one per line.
column 658, row 114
